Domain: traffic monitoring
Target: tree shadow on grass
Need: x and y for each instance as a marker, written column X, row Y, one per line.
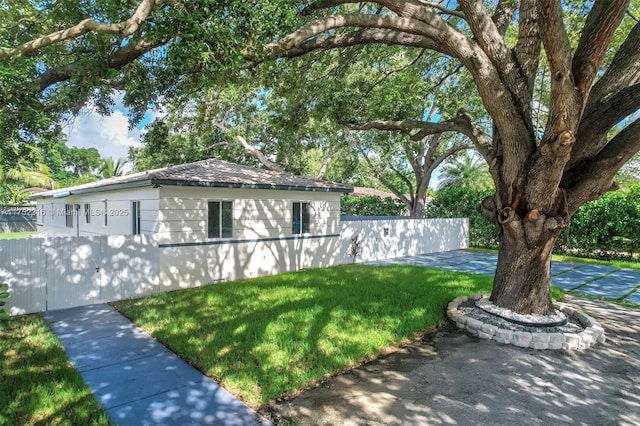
column 38, row 384
column 265, row 338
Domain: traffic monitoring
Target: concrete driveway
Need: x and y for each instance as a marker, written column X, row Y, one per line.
column 450, row 377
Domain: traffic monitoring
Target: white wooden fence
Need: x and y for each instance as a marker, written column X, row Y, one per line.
column 55, row 273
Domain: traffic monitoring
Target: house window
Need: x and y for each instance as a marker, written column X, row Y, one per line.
column 220, row 219
column 87, row 213
column 301, row 218
column 135, row 214
column 40, row 216
column 68, row 215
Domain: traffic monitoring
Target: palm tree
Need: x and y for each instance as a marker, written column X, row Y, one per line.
column 467, row 171
column 36, row 175
column 109, row 168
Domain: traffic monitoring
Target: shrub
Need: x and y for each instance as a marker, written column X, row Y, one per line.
column 464, row 202
column 605, row 228
column 371, row 205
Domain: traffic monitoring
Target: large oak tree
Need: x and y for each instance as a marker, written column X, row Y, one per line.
column 541, row 178
column 63, row 53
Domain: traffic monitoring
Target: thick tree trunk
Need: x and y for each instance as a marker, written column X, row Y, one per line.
column 522, row 282
column 417, row 212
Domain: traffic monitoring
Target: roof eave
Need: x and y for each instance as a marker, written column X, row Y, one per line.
column 103, row 188
column 344, row 190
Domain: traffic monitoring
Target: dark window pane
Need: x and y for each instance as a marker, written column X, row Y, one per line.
column 135, row 211
column 227, row 219
column 306, row 217
column 214, row 220
column 296, row 218
column 68, row 212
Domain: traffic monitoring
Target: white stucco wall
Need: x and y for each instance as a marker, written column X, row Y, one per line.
column 262, row 243
column 257, row 213
column 387, row 239
column 115, row 204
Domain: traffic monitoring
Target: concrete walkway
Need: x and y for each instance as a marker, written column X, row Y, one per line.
column 136, row 379
column 580, row 278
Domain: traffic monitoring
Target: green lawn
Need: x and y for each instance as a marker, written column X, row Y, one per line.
column 613, row 263
column 267, row 337
column 15, row 235
column 38, row 384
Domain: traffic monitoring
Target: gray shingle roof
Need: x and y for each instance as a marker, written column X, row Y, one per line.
column 211, row 173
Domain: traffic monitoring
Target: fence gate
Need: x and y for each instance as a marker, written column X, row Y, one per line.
column 73, row 264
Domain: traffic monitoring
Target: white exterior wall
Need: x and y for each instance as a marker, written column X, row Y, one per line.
column 263, row 242
column 257, row 213
column 403, row 237
column 116, row 204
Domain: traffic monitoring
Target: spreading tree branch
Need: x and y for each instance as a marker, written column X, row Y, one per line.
column 623, row 71
column 124, row 28
column 360, row 37
column 116, row 61
column 491, row 42
column 565, row 104
column 259, row 155
column 592, row 178
column 527, row 48
column 503, row 14
column 603, row 19
column 617, row 84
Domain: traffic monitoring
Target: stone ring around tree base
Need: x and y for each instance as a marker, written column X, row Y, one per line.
column 581, row 332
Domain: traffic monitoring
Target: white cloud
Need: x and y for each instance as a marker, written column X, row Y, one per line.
column 110, row 135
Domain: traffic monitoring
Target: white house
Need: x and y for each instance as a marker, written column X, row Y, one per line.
column 212, row 220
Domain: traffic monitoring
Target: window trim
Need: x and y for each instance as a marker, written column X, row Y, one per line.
column 40, row 213
column 216, row 213
column 68, row 215
column 302, row 224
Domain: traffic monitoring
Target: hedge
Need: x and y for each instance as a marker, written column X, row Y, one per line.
column 371, row 205
column 606, row 228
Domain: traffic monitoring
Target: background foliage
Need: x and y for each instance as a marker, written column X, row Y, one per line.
column 463, row 201
column 607, row 228
column 371, row 205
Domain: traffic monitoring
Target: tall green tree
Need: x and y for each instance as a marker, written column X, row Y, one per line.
column 57, row 56
column 544, row 166
column 71, row 165
column 244, row 120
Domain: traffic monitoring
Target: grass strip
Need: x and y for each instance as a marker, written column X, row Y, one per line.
column 38, row 384
column 268, row 337
column 15, row 235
